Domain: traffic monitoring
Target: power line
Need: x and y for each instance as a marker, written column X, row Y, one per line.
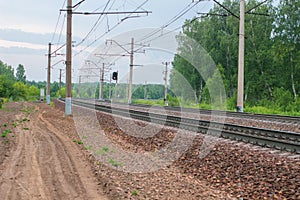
column 172, row 20
column 171, row 31
column 96, row 23
column 115, row 26
column 58, row 19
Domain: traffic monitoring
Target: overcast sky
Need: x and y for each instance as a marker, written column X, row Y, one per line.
column 26, row 28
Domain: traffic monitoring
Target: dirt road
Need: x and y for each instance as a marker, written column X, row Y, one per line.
column 45, row 164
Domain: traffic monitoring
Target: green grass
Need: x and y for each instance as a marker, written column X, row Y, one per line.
column 104, row 150
column 268, row 109
column 26, row 128
column 28, row 109
column 114, row 163
column 14, row 125
column 25, row 120
column 5, row 132
column 97, row 152
column 158, row 102
column 134, row 193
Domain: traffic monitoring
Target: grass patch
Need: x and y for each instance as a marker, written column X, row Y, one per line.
column 134, row 193
column 114, row 163
column 5, row 132
column 104, row 150
column 97, row 152
column 28, row 109
column 14, row 125
column 25, row 120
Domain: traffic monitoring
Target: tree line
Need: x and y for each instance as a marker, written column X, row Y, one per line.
column 272, row 55
column 16, row 87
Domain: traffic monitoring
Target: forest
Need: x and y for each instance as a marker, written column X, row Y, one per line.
column 272, row 56
column 208, row 59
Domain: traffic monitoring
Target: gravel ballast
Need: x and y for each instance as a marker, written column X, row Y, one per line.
column 229, row 170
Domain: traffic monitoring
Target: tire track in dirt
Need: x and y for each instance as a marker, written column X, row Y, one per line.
column 44, row 164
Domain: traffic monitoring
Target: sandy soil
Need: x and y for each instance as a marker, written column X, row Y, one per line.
column 42, row 163
column 44, row 156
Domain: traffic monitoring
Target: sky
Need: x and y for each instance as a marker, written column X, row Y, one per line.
column 26, row 28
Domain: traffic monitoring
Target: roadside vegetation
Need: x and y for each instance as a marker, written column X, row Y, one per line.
column 272, row 66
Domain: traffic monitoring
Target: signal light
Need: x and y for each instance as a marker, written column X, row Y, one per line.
column 115, row 76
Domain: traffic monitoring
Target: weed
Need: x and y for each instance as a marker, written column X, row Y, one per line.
column 5, row 132
column 114, row 163
column 4, row 125
column 98, row 163
column 6, row 142
column 25, row 120
column 26, row 128
column 79, row 142
column 90, row 147
column 84, row 137
column 104, row 150
column 134, row 192
column 97, row 152
column 28, row 110
column 74, row 140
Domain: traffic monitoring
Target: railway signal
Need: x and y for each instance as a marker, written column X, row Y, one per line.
column 115, row 76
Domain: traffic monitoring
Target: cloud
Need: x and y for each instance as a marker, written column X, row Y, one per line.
column 17, row 50
column 17, row 35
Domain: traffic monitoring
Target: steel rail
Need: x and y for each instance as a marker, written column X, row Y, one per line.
column 245, row 115
column 281, row 140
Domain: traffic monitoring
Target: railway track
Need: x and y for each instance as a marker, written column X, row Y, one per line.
column 282, row 140
column 261, row 117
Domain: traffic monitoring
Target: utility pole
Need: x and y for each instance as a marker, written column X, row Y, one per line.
column 101, row 82
column 68, row 105
column 145, row 90
column 240, row 92
column 60, row 74
column 166, row 82
column 131, row 72
column 109, row 95
column 241, row 63
column 48, row 74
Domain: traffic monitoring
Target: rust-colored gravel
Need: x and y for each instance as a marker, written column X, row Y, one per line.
column 229, row 170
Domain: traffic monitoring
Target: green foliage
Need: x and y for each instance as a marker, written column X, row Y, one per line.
column 19, row 91
column 7, row 71
column 20, row 75
column 6, row 86
column 159, row 102
column 33, row 92
column 272, row 58
column 134, row 193
column 114, row 163
column 5, row 132
column 172, row 101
